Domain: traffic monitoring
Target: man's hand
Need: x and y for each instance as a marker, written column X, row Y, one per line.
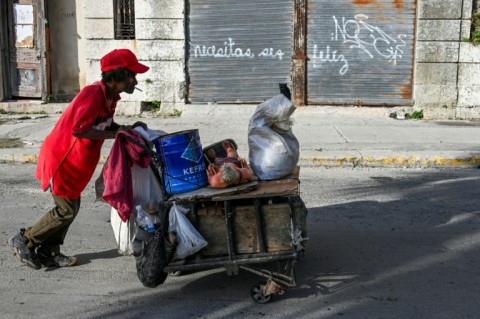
column 125, row 128
column 138, row 123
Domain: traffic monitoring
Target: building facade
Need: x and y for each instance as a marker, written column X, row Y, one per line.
column 412, row 54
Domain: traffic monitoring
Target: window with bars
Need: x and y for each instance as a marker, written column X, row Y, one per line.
column 124, row 19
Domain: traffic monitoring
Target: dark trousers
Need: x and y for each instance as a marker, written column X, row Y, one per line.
column 50, row 230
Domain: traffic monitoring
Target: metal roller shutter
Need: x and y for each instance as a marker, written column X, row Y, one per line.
column 360, row 51
column 239, row 50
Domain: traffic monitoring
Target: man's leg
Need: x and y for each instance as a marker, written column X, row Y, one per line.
column 50, row 230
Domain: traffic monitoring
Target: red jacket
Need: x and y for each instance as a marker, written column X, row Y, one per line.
column 66, row 163
column 117, row 173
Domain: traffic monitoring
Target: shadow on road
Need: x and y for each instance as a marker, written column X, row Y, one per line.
column 107, row 254
column 382, row 244
column 396, row 247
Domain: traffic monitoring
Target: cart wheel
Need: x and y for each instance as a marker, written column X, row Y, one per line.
column 177, row 273
column 258, row 294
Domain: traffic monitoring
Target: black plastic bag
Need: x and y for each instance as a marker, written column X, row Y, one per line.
column 152, row 258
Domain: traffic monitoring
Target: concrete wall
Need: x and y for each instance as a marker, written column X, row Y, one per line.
column 159, row 43
column 446, row 67
column 468, row 70
column 446, row 79
column 2, row 63
column 67, row 61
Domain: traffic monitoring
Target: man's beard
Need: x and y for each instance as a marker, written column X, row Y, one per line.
column 130, row 89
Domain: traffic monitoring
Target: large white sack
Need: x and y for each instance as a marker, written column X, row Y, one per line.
column 273, row 149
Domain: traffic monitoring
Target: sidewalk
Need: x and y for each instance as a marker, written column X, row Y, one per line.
column 328, row 136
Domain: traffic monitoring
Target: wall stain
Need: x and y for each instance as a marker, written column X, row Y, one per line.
column 399, row 4
column 362, row 2
column 406, row 90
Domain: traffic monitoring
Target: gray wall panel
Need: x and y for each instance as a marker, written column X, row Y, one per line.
column 360, row 51
column 239, row 50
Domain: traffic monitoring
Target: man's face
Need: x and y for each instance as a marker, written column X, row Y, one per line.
column 129, row 84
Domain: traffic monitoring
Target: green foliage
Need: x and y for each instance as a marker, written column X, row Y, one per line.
column 175, row 113
column 148, row 81
column 416, row 115
column 157, row 104
column 475, row 35
column 47, row 99
column 151, row 106
column 2, row 111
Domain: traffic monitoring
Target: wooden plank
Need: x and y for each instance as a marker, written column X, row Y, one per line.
column 287, row 186
column 300, row 217
column 281, row 187
column 277, row 227
column 245, row 230
column 276, row 223
column 207, row 193
column 211, row 224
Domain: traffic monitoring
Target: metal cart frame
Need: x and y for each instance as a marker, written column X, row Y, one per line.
column 277, row 281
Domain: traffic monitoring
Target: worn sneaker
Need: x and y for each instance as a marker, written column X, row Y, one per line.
column 18, row 244
column 59, row 260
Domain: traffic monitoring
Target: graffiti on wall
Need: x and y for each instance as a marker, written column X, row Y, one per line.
column 369, row 40
column 231, row 50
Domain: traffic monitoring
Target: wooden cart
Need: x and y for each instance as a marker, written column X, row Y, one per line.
column 248, row 227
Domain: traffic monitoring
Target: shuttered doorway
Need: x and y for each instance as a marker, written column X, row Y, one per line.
column 360, row 51
column 239, row 51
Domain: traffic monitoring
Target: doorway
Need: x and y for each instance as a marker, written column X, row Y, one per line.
column 26, row 54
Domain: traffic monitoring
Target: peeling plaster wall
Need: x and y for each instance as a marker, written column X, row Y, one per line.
column 65, row 20
column 3, row 48
column 446, row 67
column 159, row 43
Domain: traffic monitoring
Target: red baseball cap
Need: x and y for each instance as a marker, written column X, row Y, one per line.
column 122, row 58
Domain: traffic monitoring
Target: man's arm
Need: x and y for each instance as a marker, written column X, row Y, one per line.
column 94, row 134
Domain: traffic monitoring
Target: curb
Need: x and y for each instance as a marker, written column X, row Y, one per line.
column 18, row 159
column 331, row 161
column 32, row 159
column 392, row 161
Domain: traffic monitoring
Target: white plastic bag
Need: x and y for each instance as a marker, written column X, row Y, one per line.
column 188, row 238
column 146, row 192
column 124, row 232
column 273, row 149
column 149, row 134
column 146, row 188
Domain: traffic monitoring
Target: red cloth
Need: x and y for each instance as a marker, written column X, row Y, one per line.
column 66, row 163
column 117, row 173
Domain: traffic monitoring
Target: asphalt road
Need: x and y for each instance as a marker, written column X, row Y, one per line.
column 384, row 243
